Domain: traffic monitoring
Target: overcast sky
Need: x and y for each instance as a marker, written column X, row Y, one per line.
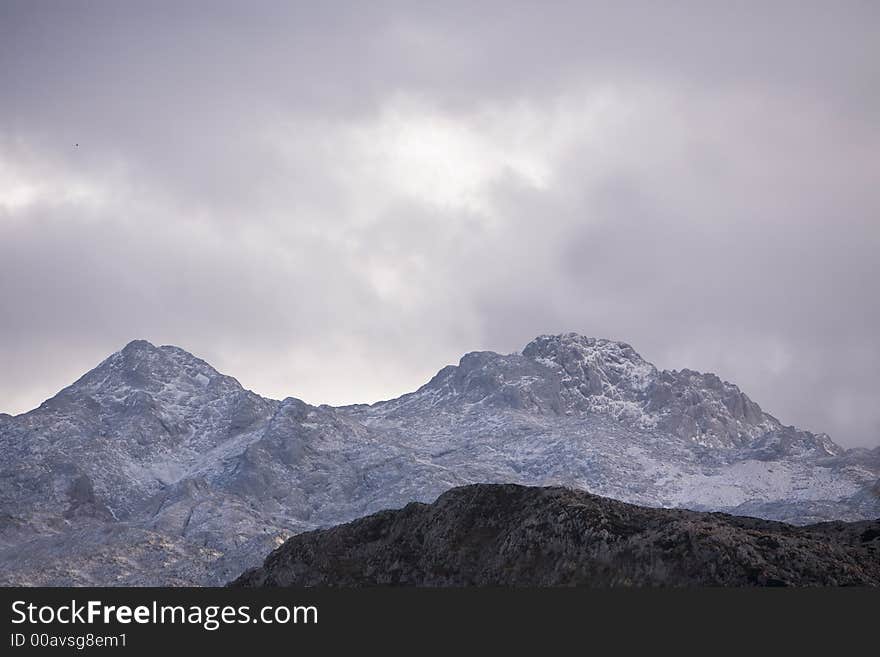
column 334, row 202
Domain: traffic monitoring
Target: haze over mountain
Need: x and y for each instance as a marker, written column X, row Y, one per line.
column 154, row 468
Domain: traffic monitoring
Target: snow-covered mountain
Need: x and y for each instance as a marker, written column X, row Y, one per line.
column 154, row 468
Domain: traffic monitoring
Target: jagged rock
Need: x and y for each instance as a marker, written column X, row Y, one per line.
column 507, row 535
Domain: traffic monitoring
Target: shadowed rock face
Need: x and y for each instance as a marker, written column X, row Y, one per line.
column 509, row 535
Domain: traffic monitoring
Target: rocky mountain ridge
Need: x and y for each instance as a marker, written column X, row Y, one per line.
column 507, row 535
column 153, row 468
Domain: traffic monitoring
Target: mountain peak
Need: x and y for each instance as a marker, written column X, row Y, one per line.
column 573, row 374
column 142, row 365
column 138, row 345
column 572, row 339
column 142, row 375
column 593, row 366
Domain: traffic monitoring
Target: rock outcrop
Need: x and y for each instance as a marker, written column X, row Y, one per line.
column 507, row 535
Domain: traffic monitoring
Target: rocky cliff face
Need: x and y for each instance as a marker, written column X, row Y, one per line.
column 154, row 468
column 506, row 535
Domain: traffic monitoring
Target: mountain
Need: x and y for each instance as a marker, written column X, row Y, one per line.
column 153, row 468
column 509, row 535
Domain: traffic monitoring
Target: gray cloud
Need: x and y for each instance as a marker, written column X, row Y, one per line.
column 333, row 203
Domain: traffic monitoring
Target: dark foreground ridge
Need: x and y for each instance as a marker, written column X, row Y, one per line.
column 510, row 535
